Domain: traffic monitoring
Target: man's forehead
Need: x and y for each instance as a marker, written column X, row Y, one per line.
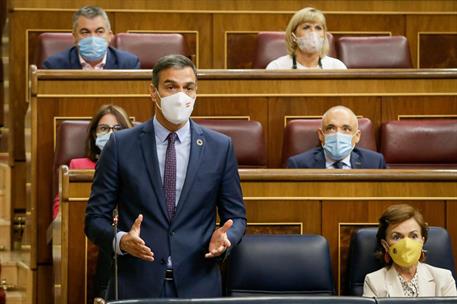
column 97, row 21
column 178, row 76
column 339, row 117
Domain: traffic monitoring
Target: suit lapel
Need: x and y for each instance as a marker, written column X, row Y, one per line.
column 148, row 147
column 74, row 58
column 319, row 158
column 426, row 281
column 393, row 284
column 110, row 60
column 356, row 160
column 197, row 146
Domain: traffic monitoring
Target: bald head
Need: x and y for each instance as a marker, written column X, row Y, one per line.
column 339, row 119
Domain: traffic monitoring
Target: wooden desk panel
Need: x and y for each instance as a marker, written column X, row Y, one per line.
column 327, row 202
column 269, row 97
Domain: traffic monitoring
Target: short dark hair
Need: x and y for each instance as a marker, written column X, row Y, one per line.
column 121, row 116
column 171, row 61
column 90, row 12
column 396, row 214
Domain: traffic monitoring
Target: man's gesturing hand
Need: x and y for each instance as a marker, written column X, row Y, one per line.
column 133, row 244
column 219, row 241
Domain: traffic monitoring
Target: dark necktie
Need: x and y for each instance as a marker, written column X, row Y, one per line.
column 169, row 175
column 338, row 165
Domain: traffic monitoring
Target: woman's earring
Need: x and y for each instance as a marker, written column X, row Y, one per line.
column 386, row 257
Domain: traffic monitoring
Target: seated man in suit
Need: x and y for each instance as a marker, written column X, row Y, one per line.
column 339, row 135
column 92, row 35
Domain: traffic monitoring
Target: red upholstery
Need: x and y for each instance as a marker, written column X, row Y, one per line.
column 150, row 47
column 50, row 44
column 247, row 137
column 420, row 143
column 374, row 52
column 300, row 135
column 271, row 45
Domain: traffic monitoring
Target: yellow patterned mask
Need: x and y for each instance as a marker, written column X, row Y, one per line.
column 406, row 252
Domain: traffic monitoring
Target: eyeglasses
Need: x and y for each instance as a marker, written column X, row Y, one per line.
column 105, row 129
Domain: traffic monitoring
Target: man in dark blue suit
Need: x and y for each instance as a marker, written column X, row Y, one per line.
column 168, row 178
column 338, row 135
column 92, row 35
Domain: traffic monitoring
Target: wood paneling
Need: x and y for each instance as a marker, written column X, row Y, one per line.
column 212, row 21
column 263, row 5
column 437, row 50
column 260, row 95
column 322, row 201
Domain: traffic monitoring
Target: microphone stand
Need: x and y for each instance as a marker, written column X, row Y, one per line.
column 116, row 282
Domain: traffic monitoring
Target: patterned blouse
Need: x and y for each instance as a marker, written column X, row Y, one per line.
column 411, row 288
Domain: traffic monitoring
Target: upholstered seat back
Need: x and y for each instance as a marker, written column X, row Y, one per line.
column 151, row 47
column 70, row 141
column 420, row 143
column 247, row 137
column 50, row 44
column 257, row 300
column 300, row 135
column 271, row 45
column 281, row 265
column 374, row 52
column 362, row 261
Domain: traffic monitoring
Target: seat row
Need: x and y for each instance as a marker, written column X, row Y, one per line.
column 297, row 265
column 404, row 143
column 294, row 300
column 148, row 47
column 355, row 52
column 296, row 269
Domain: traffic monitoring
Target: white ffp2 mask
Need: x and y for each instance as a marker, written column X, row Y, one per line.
column 177, row 107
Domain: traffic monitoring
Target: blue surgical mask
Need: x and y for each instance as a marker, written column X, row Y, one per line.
column 338, row 145
column 92, row 48
column 101, row 140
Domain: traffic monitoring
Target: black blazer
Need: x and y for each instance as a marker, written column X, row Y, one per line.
column 69, row 59
column 315, row 159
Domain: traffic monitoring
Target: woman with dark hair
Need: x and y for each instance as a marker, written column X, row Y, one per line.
column 108, row 119
column 401, row 235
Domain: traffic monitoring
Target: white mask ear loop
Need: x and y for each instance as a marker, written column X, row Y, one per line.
column 160, row 97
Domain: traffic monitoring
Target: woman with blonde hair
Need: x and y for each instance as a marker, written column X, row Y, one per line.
column 307, row 43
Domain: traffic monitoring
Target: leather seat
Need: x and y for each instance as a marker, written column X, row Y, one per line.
column 256, row 300
column 376, row 52
column 300, row 135
column 280, row 265
column 271, row 45
column 247, row 137
column 50, row 44
column 433, row 300
column 420, row 143
column 150, row 47
column 361, row 259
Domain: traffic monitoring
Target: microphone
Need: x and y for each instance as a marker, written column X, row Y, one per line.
column 116, row 282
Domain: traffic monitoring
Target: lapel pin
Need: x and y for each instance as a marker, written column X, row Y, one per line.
column 199, row 142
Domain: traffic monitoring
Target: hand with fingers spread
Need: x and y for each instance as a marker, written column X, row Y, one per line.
column 134, row 245
column 219, row 241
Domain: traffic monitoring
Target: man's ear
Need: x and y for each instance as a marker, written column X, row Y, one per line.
column 356, row 137
column 110, row 37
column 153, row 93
column 321, row 135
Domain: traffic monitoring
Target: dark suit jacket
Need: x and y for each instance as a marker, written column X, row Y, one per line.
column 69, row 59
column 128, row 174
column 315, row 158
